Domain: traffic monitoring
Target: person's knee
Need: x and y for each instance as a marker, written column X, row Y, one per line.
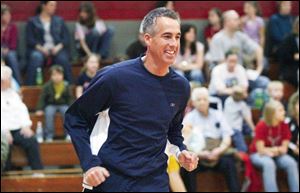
column 12, row 55
column 36, row 56
column 269, row 165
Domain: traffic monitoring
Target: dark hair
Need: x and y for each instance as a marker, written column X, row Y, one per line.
column 149, row 20
column 88, row 7
column 219, row 14
column 39, row 9
column 4, row 8
column 232, row 51
column 56, row 68
column 255, row 4
column 162, row 3
column 185, row 28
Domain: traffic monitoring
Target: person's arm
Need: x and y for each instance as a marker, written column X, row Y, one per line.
column 80, row 36
column 248, row 116
column 198, row 64
column 85, row 47
column 42, row 101
column 82, row 115
column 13, row 41
column 262, row 36
column 259, row 59
column 79, row 91
column 31, row 40
column 268, row 151
column 283, row 149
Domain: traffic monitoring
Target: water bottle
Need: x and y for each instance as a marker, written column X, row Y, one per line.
column 39, row 132
column 259, row 99
column 39, row 76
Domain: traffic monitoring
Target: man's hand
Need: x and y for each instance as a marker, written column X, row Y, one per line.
column 26, row 132
column 188, row 160
column 95, row 176
column 9, row 138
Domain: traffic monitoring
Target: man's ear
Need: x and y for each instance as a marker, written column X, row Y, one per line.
column 147, row 38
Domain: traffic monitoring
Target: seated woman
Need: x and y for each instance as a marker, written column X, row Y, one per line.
column 189, row 62
column 16, row 123
column 270, row 146
column 92, row 33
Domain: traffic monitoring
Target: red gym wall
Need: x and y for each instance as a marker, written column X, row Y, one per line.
column 131, row 10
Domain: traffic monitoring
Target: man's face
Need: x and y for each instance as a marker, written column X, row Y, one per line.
column 233, row 21
column 164, row 43
column 232, row 61
column 286, row 7
column 202, row 103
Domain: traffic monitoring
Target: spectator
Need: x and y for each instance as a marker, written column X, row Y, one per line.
column 189, row 62
column 16, row 123
column 269, row 148
column 92, row 33
column 252, row 23
column 280, row 26
column 92, row 64
column 214, row 25
column 166, row 4
column 14, row 83
column 236, row 112
column 217, row 135
column 294, row 126
column 289, row 56
column 138, row 47
column 275, row 90
column 227, row 75
column 56, row 96
column 231, row 38
column 47, row 41
column 9, row 42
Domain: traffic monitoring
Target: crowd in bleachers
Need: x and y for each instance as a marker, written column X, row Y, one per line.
column 228, row 72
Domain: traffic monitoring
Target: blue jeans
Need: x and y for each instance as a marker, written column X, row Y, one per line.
column 50, row 112
column 239, row 141
column 12, row 61
column 37, row 59
column 99, row 44
column 269, row 166
column 261, row 82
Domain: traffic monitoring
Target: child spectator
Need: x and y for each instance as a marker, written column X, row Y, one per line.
column 56, row 96
column 92, row 64
column 237, row 111
column 47, row 39
column 189, row 62
column 212, row 125
column 276, row 90
column 9, row 42
column 16, row 123
column 270, row 146
column 293, row 121
column 92, row 33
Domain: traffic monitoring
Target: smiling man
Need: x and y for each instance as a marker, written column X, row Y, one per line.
column 146, row 100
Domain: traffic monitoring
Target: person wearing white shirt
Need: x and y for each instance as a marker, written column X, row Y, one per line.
column 227, row 75
column 212, row 125
column 15, row 121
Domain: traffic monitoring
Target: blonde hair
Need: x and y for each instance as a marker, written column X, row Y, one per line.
column 270, row 111
column 275, row 84
column 292, row 102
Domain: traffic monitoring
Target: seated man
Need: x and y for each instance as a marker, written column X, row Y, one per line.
column 15, row 121
column 216, row 135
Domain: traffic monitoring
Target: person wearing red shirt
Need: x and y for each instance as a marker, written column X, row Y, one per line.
column 269, row 148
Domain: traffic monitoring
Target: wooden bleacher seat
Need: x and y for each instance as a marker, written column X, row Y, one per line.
column 30, row 96
column 58, row 123
column 62, row 180
column 57, row 153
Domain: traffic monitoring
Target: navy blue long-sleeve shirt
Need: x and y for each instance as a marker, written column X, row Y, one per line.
column 145, row 111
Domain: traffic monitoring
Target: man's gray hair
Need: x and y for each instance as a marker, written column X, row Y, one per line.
column 148, row 23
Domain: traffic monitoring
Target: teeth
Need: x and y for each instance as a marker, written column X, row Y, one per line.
column 170, row 52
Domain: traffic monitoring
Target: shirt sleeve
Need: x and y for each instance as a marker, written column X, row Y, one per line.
column 175, row 135
column 79, row 32
column 216, row 52
column 81, row 117
column 100, row 27
column 248, row 45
